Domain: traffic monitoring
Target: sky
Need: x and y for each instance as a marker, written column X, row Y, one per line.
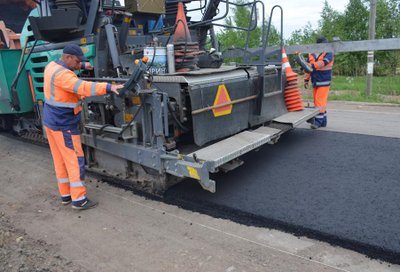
column 296, row 13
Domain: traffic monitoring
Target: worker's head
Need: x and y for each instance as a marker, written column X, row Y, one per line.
column 73, row 56
column 322, row 39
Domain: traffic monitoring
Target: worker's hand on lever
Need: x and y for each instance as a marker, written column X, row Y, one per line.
column 88, row 66
column 115, row 88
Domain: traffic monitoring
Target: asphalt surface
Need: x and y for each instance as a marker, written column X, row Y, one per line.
column 338, row 187
column 128, row 232
column 331, row 186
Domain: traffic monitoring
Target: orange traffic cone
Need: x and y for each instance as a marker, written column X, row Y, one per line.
column 181, row 31
column 185, row 50
column 290, row 75
column 293, row 99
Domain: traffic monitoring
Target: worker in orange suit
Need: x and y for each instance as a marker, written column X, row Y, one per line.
column 63, row 92
column 321, row 77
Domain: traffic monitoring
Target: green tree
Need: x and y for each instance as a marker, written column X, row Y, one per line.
column 303, row 36
column 329, row 24
column 353, row 26
column 354, row 22
column 350, row 25
column 387, row 26
column 234, row 38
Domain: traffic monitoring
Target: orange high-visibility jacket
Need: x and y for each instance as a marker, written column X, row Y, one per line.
column 322, row 66
column 63, row 92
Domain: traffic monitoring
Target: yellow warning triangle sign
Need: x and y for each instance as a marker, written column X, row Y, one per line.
column 222, row 101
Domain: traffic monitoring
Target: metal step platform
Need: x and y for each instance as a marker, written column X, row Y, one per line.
column 295, row 118
column 226, row 150
column 231, row 148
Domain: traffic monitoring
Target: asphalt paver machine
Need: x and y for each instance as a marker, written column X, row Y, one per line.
column 183, row 112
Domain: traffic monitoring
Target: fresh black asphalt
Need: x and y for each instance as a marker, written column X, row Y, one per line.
column 337, row 187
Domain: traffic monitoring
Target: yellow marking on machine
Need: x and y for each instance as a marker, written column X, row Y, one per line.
column 136, row 100
column 83, row 41
column 222, row 97
column 193, row 172
column 128, row 117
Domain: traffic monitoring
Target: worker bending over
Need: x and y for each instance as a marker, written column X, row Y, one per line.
column 320, row 73
column 63, row 92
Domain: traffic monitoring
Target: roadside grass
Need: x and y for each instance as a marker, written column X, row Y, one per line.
column 344, row 88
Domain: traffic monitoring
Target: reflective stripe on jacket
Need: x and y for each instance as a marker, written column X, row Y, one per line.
column 322, row 65
column 63, row 92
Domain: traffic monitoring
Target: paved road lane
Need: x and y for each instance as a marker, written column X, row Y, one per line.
column 128, row 232
column 340, row 187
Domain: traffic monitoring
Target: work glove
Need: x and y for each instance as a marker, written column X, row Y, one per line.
column 306, row 84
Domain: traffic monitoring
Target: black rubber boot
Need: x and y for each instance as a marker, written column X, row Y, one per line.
column 88, row 204
column 65, row 200
column 318, row 121
column 325, row 120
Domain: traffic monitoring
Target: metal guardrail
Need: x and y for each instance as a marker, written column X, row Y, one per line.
column 343, row 46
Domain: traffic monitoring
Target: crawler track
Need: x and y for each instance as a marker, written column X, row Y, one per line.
column 137, row 188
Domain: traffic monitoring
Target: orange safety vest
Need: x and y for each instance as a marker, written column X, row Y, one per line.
column 322, row 74
column 62, row 87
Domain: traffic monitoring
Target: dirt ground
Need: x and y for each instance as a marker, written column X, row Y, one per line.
column 20, row 252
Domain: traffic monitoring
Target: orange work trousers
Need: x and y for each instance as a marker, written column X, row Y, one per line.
column 321, row 97
column 69, row 162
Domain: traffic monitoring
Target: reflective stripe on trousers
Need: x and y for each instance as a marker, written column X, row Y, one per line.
column 69, row 163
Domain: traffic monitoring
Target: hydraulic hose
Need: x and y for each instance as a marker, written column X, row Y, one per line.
column 171, row 110
column 14, row 95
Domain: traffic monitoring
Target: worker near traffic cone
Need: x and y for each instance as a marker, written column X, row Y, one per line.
column 319, row 71
column 63, row 92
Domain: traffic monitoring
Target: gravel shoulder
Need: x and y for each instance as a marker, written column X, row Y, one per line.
column 20, row 252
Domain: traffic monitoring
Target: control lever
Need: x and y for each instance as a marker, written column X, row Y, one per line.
column 138, row 71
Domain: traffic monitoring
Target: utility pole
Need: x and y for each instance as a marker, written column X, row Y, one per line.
column 371, row 36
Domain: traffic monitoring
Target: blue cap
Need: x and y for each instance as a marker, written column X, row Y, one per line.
column 75, row 50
